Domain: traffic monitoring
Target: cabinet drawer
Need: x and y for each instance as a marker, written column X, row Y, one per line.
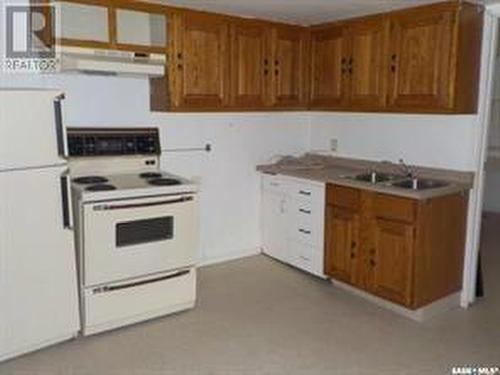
column 395, row 208
column 306, row 191
column 345, row 197
column 307, row 258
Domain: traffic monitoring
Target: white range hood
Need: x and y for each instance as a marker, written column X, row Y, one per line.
column 110, row 62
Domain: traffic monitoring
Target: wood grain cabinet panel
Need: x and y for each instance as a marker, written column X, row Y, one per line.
column 288, row 67
column 200, row 62
column 368, row 42
column 421, row 59
column 250, row 65
column 328, row 68
column 341, row 243
column 406, row 251
column 392, row 260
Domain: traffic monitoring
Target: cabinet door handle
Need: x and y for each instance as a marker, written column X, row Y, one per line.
column 179, row 56
column 304, row 231
column 373, row 263
column 393, row 68
column 266, row 62
column 306, row 193
column 353, row 255
column 353, row 245
column 179, row 66
column 266, row 72
column 307, row 212
column 276, row 72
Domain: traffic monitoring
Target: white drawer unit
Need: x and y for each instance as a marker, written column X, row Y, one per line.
column 293, row 221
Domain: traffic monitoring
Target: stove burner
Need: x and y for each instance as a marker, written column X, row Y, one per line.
column 164, row 182
column 87, row 180
column 101, row 187
column 150, row 175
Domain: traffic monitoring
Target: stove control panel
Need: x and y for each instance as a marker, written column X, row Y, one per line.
column 88, row 142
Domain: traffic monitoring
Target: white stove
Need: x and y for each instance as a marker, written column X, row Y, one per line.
column 136, row 228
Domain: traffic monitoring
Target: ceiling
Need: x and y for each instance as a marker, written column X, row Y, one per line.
column 304, row 12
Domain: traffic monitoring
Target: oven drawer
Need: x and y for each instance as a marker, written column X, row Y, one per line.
column 134, row 301
column 137, row 237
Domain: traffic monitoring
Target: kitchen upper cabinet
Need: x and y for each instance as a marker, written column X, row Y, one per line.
column 421, row 67
column 328, row 68
column 199, row 63
column 391, row 261
column 250, row 65
column 418, row 60
column 82, row 24
column 141, row 29
column 348, row 63
column 366, row 63
column 341, row 243
column 407, row 251
column 288, row 67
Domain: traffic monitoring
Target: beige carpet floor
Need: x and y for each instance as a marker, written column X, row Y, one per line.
column 257, row 316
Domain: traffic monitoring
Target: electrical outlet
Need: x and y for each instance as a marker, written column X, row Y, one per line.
column 334, row 144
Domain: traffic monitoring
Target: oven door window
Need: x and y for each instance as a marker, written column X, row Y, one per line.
column 144, row 231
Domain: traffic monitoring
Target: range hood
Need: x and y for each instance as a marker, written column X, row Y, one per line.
column 110, row 62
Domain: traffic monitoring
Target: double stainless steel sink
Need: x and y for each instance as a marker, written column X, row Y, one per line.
column 398, row 181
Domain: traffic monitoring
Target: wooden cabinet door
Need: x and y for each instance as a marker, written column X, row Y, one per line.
column 200, row 61
column 421, row 70
column 288, row 71
column 341, row 243
column 250, row 65
column 367, row 62
column 329, row 73
column 392, row 261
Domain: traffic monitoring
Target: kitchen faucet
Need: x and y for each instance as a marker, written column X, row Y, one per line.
column 408, row 171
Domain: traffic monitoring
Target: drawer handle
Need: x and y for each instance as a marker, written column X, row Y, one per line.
column 306, row 193
column 304, row 231
column 308, row 212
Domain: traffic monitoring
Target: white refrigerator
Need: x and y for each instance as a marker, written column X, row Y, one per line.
column 38, row 281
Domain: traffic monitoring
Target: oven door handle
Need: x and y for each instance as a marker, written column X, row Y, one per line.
column 136, row 284
column 113, row 207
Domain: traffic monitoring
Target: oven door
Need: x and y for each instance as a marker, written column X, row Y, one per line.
column 137, row 237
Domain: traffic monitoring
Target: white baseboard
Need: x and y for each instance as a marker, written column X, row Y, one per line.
column 424, row 313
column 230, row 256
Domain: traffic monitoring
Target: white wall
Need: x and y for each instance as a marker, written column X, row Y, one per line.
column 428, row 140
column 230, row 189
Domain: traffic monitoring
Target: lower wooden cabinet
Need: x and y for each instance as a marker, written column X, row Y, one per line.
column 406, row 251
column 391, row 260
column 341, row 239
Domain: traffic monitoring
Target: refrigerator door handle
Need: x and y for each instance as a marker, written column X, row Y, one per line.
column 60, row 133
column 67, row 206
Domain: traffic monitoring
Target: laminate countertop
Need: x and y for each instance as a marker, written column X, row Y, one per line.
column 340, row 171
